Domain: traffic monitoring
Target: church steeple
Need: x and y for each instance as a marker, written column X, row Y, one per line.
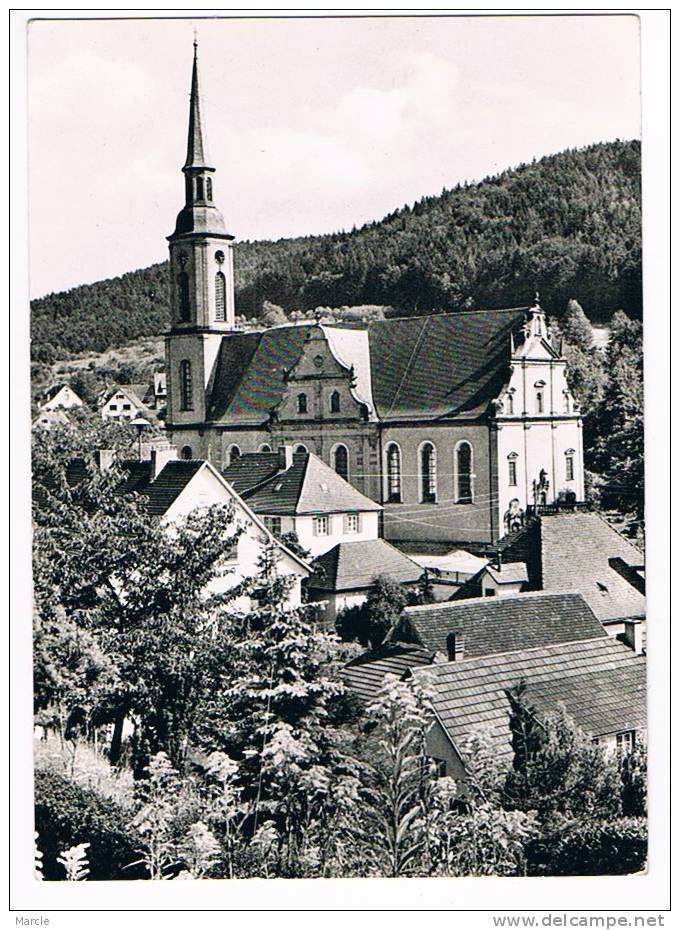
column 197, row 151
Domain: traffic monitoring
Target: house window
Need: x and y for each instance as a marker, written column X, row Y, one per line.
column 321, row 526
column 625, row 742
column 273, row 524
column 234, row 454
column 186, row 387
column 208, row 188
column 220, row 297
column 302, row 403
column 231, row 551
column 489, row 592
column 341, row 462
column 352, row 523
column 187, row 453
column 464, row 473
column 113, row 407
column 512, row 469
column 335, row 402
column 569, row 464
column 428, row 473
column 127, row 406
column 184, row 299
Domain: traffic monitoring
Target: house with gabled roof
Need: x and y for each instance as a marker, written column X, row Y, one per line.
column 344, row 575
column 172, row 488
column 298, row 493
column 571, row 551
column 60, row 396
column 456, row 423
column 126, row 401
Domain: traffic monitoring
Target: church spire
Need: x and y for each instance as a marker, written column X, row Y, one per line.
column 197, row 150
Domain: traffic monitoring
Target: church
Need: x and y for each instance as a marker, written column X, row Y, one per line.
column 456, row 423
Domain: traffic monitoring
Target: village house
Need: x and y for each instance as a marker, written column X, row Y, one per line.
column 48, row 419
column 458, row 424
column 295, row 492
column 125, row 402
column 569, row 551
column 344, row 575
column 476, row 650
column 174, row 488
column 60, row 397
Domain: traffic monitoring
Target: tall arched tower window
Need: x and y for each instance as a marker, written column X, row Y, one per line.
column 428, row 473
column 184, row 300
column 464, row 473
column 341, row 462
column 199, row 189
column 335, row 402
column 393, row 473
column 208, row 188
column 220, row 297
column 186, row 387
column 302, row 403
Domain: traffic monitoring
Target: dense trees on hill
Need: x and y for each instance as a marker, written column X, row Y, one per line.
column 568, row 225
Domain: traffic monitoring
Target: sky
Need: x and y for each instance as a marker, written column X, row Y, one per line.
column 313, row 125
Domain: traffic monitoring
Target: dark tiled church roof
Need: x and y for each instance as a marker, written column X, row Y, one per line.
column 354, row 565
column 490, row 625
column 444, row 365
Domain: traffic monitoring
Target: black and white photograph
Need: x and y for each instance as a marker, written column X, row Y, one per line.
column 338, row 522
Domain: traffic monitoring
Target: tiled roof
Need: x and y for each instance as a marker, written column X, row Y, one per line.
column 510, row 573
column 601, row 682
column 354, row 565
column 172, row 480
column 308, row 486
column 444, row 365
column 501, row 624
column 576, row 552
column 365, row 674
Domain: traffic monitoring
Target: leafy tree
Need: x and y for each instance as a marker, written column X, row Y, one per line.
column 371, row 621
column 273, row 315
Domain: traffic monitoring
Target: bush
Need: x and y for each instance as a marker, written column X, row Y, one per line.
column 67, row 814
column 595, row 847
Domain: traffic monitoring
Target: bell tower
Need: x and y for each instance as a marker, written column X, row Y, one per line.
column 202, row 278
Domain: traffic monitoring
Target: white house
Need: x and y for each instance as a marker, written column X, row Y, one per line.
column 298, row 493
column 125, row 402
column 175, row 488
column 60, row 396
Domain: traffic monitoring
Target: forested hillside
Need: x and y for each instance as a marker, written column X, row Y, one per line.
column 569, row 225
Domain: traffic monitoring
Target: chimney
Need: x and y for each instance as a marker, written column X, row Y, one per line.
column 159, row 458
column 633, row 634
column 105, row 458
column 285, row 457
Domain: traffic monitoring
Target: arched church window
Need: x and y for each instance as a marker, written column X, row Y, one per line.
column 302, row 403
column 300, row 449
column 199, row 189
column 184, row 299
column 569, row 464
column 512, row 469
column 335, row 402
column 234, row 454
column 187, row 452
column 428, row 473
column 393, row 473
column 186, row 387
column 341, row 462
column 220, row 297
column 265, row 447
column 464, row 473
column 208, row 188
